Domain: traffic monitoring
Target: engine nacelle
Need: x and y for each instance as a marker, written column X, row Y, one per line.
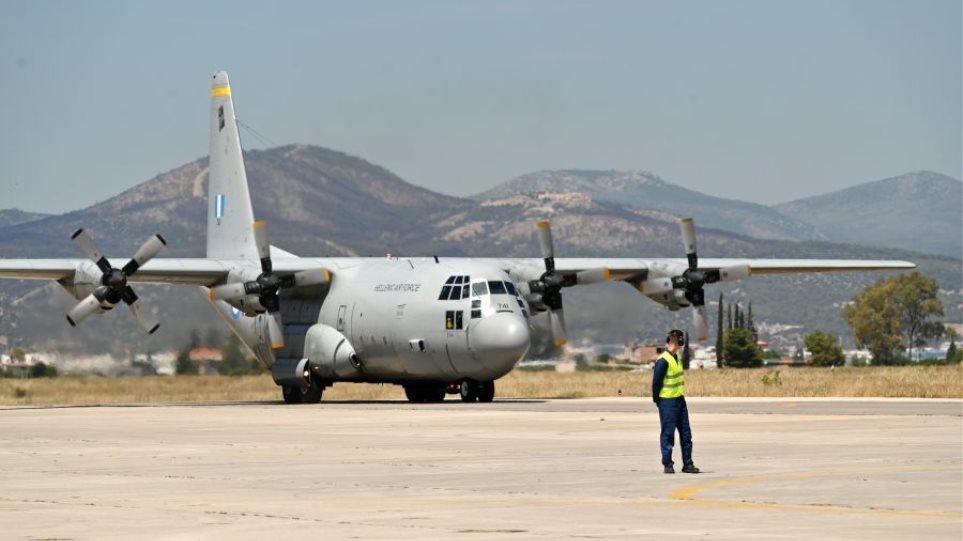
column 672, row 300
column 330, row 353
column 83, row 281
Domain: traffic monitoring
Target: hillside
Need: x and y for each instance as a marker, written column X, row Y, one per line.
column 921, row 211
column 322, row 202
column 644, row 190
column 17, row 216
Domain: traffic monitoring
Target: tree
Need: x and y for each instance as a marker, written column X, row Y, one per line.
column 825, row 349
column 729, row 318
column 741, row 350
column 184, row 364
column 953, row 353
column 893, row 316
column 719, row 334
column 39, row 370
column 233, row 361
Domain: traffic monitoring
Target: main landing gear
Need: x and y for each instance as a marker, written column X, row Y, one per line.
column 482, row 391
column 469, row 390
column 303, row 395
column 425, row 392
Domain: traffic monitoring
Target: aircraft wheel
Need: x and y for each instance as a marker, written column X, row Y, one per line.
column 486, row 391
column 414, row 393
column 292, row 395
column 312, row 393
column 469, row 390
column 426, row 392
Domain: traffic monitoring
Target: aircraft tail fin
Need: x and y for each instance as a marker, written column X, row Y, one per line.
column 229, row 215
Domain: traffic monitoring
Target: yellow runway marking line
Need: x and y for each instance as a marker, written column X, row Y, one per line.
column 688, row 494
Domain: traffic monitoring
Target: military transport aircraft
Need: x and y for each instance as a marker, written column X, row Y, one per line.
column 433, row 325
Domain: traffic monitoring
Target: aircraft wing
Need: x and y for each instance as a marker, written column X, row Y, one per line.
column 629, row 269
column 200, row 272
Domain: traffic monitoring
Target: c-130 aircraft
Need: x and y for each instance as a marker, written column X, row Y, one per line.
column 435, row 326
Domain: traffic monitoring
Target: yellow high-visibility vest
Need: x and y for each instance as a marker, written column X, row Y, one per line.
column 673, row 386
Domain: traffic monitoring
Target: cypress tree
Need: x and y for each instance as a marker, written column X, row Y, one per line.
column 719, row 331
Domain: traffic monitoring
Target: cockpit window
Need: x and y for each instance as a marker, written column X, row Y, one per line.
column 511, row 288
column 479, row 289
column 450, row 280
column 496, row 288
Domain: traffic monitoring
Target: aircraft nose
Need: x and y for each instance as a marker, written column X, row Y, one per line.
column 501, row 340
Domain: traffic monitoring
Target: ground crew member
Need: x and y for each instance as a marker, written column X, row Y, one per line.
column 668, row 393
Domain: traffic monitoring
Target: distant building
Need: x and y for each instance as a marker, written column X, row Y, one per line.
column 643, row 353
column 208, row 360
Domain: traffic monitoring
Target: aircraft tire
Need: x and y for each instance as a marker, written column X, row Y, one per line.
column 469, row 390
column 486, row 391
column 291, row 394
column 426, row 392
column 312, row 393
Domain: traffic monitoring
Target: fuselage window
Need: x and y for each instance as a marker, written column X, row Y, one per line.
column 511, row 288
column 454, row 320
column 476, row 314
column 497, row 288
column 479, row 289
column 445, row 291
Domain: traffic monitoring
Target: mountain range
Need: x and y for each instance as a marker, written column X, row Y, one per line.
column 323, row 202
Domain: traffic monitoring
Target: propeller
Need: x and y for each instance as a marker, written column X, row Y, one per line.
column 549, row 286
column 113, row 282
column 268, row 285
column 692, row 280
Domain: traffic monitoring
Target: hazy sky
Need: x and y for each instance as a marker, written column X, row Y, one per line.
column 758, row 100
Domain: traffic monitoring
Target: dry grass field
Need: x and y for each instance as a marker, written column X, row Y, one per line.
column 907, row 381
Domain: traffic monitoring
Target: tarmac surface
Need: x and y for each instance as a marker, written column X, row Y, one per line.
column 516, row 469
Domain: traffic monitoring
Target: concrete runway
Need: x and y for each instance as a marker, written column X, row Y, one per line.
column 526, row 469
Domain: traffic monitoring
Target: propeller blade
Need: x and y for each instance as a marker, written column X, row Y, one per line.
column 700, row 325
column 87, row 246
column 228, row 292
column 734, row 272
column 143, row 315
column 689, row 241
column 275, row 330
column 87, row 306
column 593, row 276
column 145, row 253
column 656, row 286
column 263, row 246
column 311, row 277
column 545, row 241
column 557, row 319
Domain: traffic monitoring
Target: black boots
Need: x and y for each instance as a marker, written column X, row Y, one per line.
column 689, row 468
